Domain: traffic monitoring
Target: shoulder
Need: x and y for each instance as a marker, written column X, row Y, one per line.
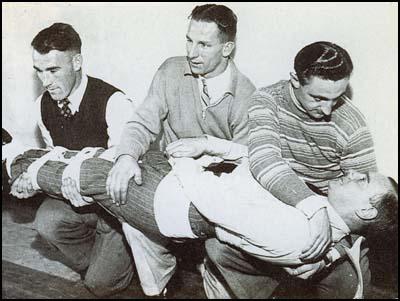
column 348, row 116
column 101, row 85
column 270, row 95
column 176, row 63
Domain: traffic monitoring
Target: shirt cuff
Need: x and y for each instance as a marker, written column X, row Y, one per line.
column 226, row 149
column 309, row 206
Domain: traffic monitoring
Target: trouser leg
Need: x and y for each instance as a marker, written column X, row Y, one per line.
column 72, row 233
column 88, row 244
column 340, row 281
column 230, row 272
column 111, row 266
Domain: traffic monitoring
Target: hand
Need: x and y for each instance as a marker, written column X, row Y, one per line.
column 307, row 270
column 187, row 147
column 321, row 236
column 70, row 192
column 124, row 169
column 22, row 187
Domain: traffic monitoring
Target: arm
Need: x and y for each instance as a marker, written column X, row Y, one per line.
column 275, row 175
column 118, row 112
column 266, row 162
column 146, row 122
column 138, row 133
column 43, row 130
column 231, row 148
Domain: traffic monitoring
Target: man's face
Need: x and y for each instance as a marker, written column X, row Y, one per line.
column 204, row 49
column 58, row 71
column 319, row 96
column 355, row 188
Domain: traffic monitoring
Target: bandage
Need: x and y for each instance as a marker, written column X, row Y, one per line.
column 56, row 154
column 73, row 169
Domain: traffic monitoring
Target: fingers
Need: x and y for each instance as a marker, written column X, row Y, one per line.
column 118, row 180
column 22, row 187
column 70, row 191
column 316, row 250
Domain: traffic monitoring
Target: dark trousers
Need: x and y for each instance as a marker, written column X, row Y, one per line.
column 90, row 244
column 246, row 277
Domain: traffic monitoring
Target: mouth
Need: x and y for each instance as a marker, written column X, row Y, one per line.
column 52, row 90
column 196, row 64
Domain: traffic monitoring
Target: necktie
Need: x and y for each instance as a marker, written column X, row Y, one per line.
column 65, row 109
column 204, row 93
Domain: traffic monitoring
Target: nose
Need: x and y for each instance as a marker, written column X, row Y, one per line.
column 192, row 51
column 46, row 79
column 354, row 175
column 327, row 107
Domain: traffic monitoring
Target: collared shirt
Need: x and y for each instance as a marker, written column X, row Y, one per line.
column 219, row 85
column 119, row 110
column 246, row 215
column 173, row 105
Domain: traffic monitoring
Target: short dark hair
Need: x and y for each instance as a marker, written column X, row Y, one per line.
column 221, row 15
column 387, row 219
column 59, row 36
column 322, row 59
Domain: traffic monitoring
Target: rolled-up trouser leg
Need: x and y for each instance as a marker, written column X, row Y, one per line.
column 139, row 210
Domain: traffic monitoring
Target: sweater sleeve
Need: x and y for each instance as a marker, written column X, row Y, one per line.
column 265, row 156
column 146, row 122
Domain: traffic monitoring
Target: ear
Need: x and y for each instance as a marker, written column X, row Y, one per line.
column 294, row 80
column 77, row 62
column 367, row 213
column 228, row 49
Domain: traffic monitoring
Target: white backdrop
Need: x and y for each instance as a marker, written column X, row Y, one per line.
column 124, row 43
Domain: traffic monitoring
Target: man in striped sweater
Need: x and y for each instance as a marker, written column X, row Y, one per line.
column 302, row 133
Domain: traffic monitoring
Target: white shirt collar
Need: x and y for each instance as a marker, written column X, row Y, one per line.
column 219, row 85
column 339, row 227
column 76, row 97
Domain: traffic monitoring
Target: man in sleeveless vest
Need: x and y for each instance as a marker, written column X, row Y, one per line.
column 78, row 111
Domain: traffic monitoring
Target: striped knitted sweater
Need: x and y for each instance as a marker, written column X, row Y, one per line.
column 287, row 148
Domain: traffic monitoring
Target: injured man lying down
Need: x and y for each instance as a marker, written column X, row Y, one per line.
column 240, row 211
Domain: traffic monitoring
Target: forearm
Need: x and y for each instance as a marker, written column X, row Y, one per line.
column 225, row 149
column 135, row 140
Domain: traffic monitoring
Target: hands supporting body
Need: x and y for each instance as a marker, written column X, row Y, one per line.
column 127, row 167
column 22, row 188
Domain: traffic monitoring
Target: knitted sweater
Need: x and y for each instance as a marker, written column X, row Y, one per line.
column 173, row 105
column 287, row 148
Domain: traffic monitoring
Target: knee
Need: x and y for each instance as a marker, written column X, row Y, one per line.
column 106, row 285
column 216, row 251
column 48, row 221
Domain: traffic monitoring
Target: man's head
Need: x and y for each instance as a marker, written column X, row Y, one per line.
column 322, row 75
column 368, row 203
column 210, row 39
column 57, row 59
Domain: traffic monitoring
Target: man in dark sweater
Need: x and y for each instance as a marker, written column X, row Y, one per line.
column 78, row 111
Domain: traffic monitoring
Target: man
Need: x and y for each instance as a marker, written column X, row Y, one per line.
column 301, row 131
column 78, row 111
column 199, row 102
column 366, row 204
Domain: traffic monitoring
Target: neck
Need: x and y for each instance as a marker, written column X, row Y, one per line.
column 219, row 70
column 78, row 81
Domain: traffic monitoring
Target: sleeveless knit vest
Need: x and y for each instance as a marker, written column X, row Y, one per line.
column 86, row 128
